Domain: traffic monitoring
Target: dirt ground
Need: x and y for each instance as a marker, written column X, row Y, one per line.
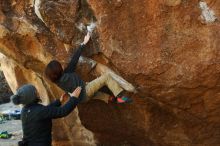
column 12, row 126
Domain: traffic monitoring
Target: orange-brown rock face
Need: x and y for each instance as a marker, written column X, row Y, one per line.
column 168, row 49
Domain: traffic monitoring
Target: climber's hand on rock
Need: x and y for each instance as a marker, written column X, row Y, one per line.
column 76, row 92
column 64, row 97
column 86, row 39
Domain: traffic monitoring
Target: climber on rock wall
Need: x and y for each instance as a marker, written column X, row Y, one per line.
column 68, row 80
column 37, row 118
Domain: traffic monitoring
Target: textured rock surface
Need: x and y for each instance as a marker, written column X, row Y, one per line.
column 5, row 91
column 165, row 48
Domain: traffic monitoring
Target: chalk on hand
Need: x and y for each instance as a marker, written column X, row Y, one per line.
column 91, row 27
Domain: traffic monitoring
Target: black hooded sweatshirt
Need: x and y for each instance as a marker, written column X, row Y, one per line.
column 37, row 120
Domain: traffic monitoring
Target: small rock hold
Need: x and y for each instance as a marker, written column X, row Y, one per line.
column 14, row 3
column 118, row 3
column 172, row 2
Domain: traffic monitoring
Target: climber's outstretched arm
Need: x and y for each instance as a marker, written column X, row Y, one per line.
column 74, row 60
column 72, row 65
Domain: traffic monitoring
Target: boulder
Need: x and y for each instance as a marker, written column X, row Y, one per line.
column 169, row 50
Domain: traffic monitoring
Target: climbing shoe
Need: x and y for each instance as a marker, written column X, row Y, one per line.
column 123, row 99
column 120, row 99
